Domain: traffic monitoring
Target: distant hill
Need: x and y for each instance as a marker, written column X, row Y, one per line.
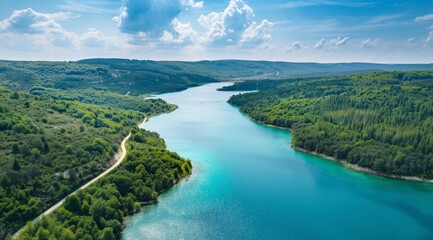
column 120, row 76
column 253, row 70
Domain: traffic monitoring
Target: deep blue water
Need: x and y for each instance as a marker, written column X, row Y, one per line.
column 248, row 183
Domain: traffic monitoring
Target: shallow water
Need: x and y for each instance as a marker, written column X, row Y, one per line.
column 248, row 183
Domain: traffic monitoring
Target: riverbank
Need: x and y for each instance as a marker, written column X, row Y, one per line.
column 362, row 169
column 347, row 164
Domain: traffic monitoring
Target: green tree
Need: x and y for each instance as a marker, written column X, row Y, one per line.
column 107, row 234
column 67, row 234
column 73, row 204
column 36, row 153
column 21, row 128
column 43, row 234
column 69, row 149
column 15, row 148
column 25, row 150
column 15, row 95
column 85, row 207
column 16, row 166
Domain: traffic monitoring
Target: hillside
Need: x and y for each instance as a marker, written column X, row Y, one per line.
column 50, row 147
column 123, row 79
column 98, row 212
column 380, row 121
column 254, row 70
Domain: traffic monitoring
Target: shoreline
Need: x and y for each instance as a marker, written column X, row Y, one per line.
column 118, row 159
column 363, row 169
column 153, row 201
column 144, row 121
column 347, row 164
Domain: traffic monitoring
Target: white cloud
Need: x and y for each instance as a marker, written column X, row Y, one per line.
column 427, row 17
column 181, row 33
column 320, row 44
column 257, row 33
column 234, row 25
column 147, row 16
column 192, row 3
column 338, row 42
column 94, row 38
column 295, row 46
column 214, row 25
column 32, row 22
column 43, row 31
column 40, row 28
column 150, row 22
column 369, row 43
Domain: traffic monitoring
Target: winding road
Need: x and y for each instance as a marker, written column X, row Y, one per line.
column 114, row 166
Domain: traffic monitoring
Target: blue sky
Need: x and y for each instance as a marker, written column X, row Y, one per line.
column 399, row 31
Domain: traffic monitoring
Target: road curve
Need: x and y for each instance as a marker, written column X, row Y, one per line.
column 114, row 166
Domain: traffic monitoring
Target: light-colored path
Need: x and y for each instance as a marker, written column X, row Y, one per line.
column 118, row 161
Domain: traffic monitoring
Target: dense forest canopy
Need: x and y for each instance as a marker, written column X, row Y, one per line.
column 382, row 121
column 119, row 78
column 61, row 124
column 48, row 148
column 98, row 211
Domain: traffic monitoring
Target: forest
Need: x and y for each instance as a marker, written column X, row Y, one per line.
column 98, row 212
column 381, row 121
column 61, row 123
column 49, row 147
column 120, row 78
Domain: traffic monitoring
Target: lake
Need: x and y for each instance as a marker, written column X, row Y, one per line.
column 249, row 183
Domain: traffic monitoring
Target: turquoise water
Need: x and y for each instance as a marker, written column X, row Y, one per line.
column 248, row 183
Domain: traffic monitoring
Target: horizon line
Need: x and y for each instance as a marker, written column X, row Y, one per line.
column 222, row 59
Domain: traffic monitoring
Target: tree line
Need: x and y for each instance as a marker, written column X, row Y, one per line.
column 382, row 121
column 49, row 147
column 98, row 211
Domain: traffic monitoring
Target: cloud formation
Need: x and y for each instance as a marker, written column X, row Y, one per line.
column 181, row 33
column 31, row 22
column 192, row 3
column 44, row 31
column 295, row 46
column 338, row 42
column 424, row 18
column 369, row 43
column 257, row 33
column 234, row 25
column 150, row 17
column 94, row 38
column 320, row 44
column 41, row 28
